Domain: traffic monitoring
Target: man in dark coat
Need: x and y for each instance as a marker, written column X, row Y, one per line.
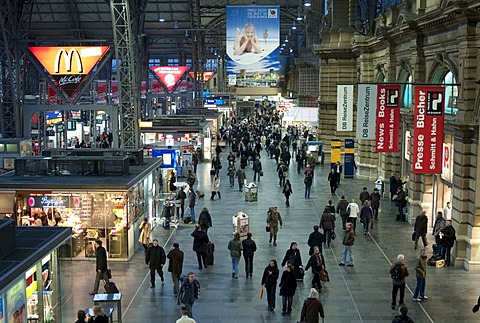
column 375, row 202
column 364, row 195
column 448, row 241
column 327, row 223
column 249, row 248
column 257, row 168
column 393, row 186
column 401, row 202
column 342, row 211
column 315, row 239
column 317, row 263
column 402, row 316
column 101, row 268
column 421, row 224
column 200, row 246
column 189, row 292
column 175, row 265
column 155, row 259
column 333, row 179
column 181, row 196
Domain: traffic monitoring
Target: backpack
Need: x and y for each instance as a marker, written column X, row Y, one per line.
column 397, row 272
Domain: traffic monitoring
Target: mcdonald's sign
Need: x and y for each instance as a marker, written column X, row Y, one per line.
column 69, row 65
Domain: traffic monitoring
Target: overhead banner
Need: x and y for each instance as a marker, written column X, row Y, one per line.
column 101, row 91
column 169, row 75
column 69, row 66
column 253, row 44
column 207, row 75
column 366, row 111
column 428, row 126
column 388, row 118
column 344, row 107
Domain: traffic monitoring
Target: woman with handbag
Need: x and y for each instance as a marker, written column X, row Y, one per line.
column 317, row 263
column 269, row 281
column 366, row 215
column 144, row 238
column 216, row 187
column 311, row 308
column 288, row 287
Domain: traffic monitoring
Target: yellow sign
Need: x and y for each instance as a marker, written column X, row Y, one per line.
column 336, row 151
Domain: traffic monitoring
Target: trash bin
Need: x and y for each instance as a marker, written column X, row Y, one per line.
column 240, row 224
column 379, row 186
column 251, row 191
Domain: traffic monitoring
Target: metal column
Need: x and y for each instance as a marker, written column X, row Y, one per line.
column 198, row 54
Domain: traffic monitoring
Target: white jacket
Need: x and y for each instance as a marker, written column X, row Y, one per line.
column 354, row 210
column 216, row 185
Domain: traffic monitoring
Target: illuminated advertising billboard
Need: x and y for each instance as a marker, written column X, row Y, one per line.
column 207, row 75
column 69, row 66
column 253, row 44
column 169, row 75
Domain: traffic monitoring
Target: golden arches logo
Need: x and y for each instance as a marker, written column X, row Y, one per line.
column 68, row 58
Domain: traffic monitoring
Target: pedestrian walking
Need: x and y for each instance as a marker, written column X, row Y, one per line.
column 200, row 246
column 184, row 318
column 341, row 210
column 180, row 201
column 333, row 179
column 288, row 287
column 269, row 281
column 205, row 220
column 282, row 171
column 401, row 201
column 235, row 247
column 317, row 263
column 366, row 215
column 274, row 218
column 101, row 266
column 257, row 169
column 175, row 265
column 338, row 171
column 364, row 196
column 375, row 202
column 312, row 307
column 402, row 316
column 308, row 184
column 191, row 203
column 327, row 223
column 249, row 248
column 294, row 258
column 155, row 260
column 353, row 211
column 231, row 173
column 287, row 191
column 144, row 237
column 421, row 275
column 171, row 184
column 393, row 186
column 348, row 241
column 189, row 292
column 398, row 273
column 315, row 239
column 216, row 187
column 240, row 174
column 421, row 226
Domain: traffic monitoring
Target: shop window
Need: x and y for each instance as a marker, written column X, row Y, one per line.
column 2, row 147
column 12, row 148
column 408, row 93
column 451, row 93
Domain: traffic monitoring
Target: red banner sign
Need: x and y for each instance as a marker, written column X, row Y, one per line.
column 428, row 129
column 101, row 91
column 207, row 75
column 143, row 90
column 69, row 66
column 169, row 75
column 388, row 118
column 114, row 90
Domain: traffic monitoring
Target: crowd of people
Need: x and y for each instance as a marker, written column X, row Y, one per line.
column 247, row 139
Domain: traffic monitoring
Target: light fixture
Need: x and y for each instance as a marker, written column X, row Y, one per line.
column 175, row 25
column 286, row 39
column 160, row 18
column 299, row 17
column 294, row 26
column 186, row 34
column 307, row 3
column 291, row 50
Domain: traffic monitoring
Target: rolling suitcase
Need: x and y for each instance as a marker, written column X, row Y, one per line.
column 200, row 194
column 111, row 288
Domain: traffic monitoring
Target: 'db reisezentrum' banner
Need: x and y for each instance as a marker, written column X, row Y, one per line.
column 428, row 126
column 253, row 41
column 366, row 109
column 344, row 107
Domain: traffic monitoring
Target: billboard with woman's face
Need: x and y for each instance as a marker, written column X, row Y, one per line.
column 253, row 39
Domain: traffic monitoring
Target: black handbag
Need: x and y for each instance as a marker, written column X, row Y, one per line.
column 261, row 173
column 212, row 172
column 267, row 228
column 109, row 274
column 332, row 235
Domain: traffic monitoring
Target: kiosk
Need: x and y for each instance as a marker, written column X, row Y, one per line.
column 240, row 224
column 251, row 192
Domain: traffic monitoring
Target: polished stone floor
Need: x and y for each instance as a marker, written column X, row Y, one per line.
column 358, row 294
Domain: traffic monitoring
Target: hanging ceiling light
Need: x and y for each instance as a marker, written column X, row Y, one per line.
column 186, row 34
column 161, row 18
column 286, row 39
column 299, row 17
column 307, row 3
column 294, row 26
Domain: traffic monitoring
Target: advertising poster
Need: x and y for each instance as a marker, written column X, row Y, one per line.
column 101, row 91
column 388, row 118
column 114, row 88
column 143, row 90
column 52, row 96
column 428, row 126
column 366, row 109
column 207, row 75
column 253, row 44
column 169, row 75
column 344, row 107
column 16, row 303
column 157, row 87
column 349, row 159
column 69, row 65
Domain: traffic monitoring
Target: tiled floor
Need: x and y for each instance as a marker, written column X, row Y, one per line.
column 358, row 294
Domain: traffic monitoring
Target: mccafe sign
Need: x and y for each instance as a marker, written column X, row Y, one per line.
column 69, row 66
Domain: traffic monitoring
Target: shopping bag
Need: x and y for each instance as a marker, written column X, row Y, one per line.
column 109, row 274
column 260, row 295
column 324, row 276
column 371, row 225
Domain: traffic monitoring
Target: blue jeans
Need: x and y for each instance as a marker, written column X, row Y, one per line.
column 307, row 191
column 192, row 214
column 420, row 289
column 235, row 262
column 347, row 249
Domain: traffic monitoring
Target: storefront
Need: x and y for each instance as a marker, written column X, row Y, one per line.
column 108, row 208
column 442, row 185
column 31, row 268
